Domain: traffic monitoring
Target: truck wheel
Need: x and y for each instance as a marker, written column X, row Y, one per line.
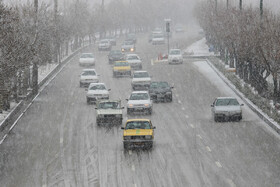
column 125, row 146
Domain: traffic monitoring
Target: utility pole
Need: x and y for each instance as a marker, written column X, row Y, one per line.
column 227, row 4
column 261, row 8
column 57, row 53
column 35, row 62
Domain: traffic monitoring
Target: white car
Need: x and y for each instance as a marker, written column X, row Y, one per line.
column 139, row 101
column 128, row 46
column 134, row 61
column 104, row 45
column 158, row 38
column 88, row 76
column 97, row 91
column 226, row 108
column 141, row 80
column 175, row 56
column 87, row 59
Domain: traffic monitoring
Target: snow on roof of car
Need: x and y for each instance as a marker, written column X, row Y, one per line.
column 140, row 71
column 99, row 83
column 226, row 98
column 143, row 91
column 88, row 69
column 138, row 120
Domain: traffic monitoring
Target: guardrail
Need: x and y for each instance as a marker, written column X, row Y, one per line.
column 273, row 124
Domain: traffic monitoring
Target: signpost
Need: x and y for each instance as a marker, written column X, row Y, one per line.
column 167, row 29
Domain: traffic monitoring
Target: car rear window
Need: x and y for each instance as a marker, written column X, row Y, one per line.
column 138, row 125
column 226, row 102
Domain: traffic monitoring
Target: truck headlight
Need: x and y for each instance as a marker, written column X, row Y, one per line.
column 132, row 49
column 146, row 105
column 130, row 105
column 148, row 137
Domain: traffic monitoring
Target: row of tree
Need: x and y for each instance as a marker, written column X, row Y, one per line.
column 36, row 33
column 248, row 39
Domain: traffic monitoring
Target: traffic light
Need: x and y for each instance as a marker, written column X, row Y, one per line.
column 167, row 27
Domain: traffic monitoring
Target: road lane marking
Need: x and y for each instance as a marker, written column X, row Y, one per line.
column 199, row 136
column 187, row 116
column 218, row 164
column 133, row 167
column 152, row 62
column 183, row 108
column 179, row 102
column 130, row 152
column 177, row 95
column 208, row 149
column 192, row 125
column 61, row 140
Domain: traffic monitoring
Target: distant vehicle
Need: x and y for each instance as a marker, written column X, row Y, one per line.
column 112, row 40
column 139, row 102
column 134, row 61
column 104, row 45
column 128, row 46
column 158, row 38
column 121, row 68
column 138, row 133
column 131, row 37
column 115, row 55
column 88, row 76
column 109, row 112
column 175, row 56
column 87, row 59
column 179, row 29
column 97, row 91
column 226, row 108
column 141, row 80
column 160, row 91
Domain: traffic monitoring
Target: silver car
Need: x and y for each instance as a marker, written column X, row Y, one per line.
column 88, row 76
column 139, row 102
column 226, row 108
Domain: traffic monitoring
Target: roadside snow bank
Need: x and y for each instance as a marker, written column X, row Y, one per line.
column 198, row 49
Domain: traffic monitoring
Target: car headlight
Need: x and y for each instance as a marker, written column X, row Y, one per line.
column 127, row 137
column 132, row 49
column 148, row 137
column 122, row 49
column 146, row 105
column 118, row 116
column 130, row 105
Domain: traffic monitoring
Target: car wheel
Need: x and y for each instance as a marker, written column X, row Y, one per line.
column 125, row 146
column 239, row 118
column 216, row 119
column 170, row 98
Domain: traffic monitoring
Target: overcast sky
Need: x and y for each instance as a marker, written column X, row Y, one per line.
column 269, row 4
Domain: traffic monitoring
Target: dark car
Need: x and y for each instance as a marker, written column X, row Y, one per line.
column 160, row 91
column 115, row 55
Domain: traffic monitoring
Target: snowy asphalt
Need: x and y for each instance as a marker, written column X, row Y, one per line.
column 57, row 143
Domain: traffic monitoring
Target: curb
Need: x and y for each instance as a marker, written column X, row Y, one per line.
column 273, row 124
column 10, row 118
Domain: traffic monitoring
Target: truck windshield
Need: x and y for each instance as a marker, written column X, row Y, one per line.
column 108, row 105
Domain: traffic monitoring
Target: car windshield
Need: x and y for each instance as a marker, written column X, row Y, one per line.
column 138, row 125
column 158, row 36
column 128, row 42
column 87, row 55
column 139, row 96
column 108, row 105
column 121, row 64
column 141, row 74
column 134, row 57
column 88, row 73
column 226, row 102
column 159, row 85
column 116, row 53
column 104, row 41
column 175, row 52
column 98, row 87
